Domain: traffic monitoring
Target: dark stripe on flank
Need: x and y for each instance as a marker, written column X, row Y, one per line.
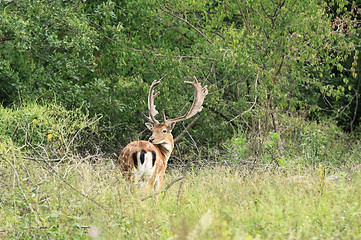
column 154, row 156
column 135, row 160
column 142, row 153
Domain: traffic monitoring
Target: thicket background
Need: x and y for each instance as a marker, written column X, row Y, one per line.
column 262, row 61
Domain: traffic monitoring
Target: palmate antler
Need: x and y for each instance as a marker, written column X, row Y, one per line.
column 200, row 94
column 151, row 106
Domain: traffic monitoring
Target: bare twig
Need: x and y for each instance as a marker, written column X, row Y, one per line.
column 77, row 133
column 185, row 130
column 33, row 228
column 16, row 176
column 56, row 174
column 254, row 103
column 38, row 159
column 244, row 17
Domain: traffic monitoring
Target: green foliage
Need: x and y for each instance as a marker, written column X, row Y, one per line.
column 50, row 126
column 313, row 146
column 48, row 49
column 299, row 142
column 273, row 153
column 236, row 149
column 258, row 58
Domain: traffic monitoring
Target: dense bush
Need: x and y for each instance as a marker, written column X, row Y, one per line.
column 303, row 143
column 259, row 58
column 48, row 126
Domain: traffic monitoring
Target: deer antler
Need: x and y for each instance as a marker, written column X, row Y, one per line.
column 200, row 94
column 151, row 106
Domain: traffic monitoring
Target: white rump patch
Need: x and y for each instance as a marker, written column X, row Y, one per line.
column 144, row 171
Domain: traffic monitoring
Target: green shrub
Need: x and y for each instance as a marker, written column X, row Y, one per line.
column 298, row 142
column 103, row 55
column 49, row 125
column 236, row 149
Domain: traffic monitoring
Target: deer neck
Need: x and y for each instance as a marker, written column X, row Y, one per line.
column 166, row 149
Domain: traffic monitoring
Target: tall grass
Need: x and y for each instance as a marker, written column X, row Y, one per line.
column 80, row 200
column 294, row 191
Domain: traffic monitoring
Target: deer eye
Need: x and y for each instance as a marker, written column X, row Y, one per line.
column 164, row 131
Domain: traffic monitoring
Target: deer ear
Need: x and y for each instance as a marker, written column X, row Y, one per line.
column 171, row 126
column 149, row 126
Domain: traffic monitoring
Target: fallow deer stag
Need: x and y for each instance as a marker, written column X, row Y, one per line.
column 145, row 162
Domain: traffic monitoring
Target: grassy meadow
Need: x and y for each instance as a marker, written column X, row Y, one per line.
column 55, row 184
column 82, row 200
